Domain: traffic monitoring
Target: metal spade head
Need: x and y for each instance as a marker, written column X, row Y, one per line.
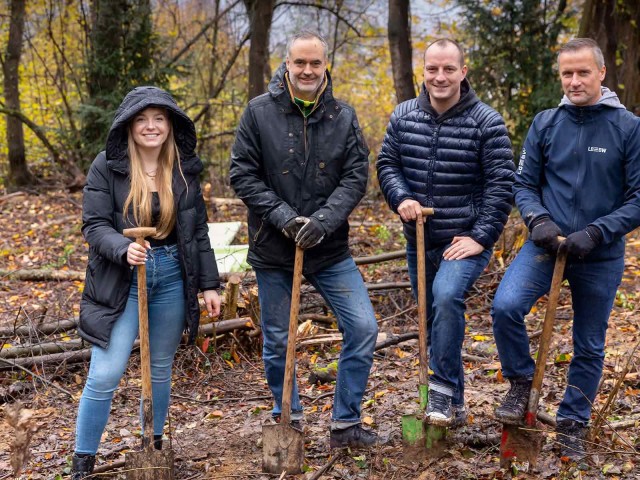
column 150, row 464
column 282, row 449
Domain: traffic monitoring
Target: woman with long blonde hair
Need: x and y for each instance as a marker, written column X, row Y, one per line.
column 147, row 176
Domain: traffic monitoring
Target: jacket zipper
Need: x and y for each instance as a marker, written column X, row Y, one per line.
column 432, row 162
column 578, row 176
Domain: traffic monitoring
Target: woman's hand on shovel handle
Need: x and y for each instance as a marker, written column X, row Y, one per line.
column 137, row 254
column 212, row 301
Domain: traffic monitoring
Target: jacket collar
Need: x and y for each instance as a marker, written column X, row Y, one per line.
column 468, row 98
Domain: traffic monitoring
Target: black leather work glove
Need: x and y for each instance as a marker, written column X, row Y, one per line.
column 545, row 232
column 293, row 226
column 311, row 234
column 581, row 243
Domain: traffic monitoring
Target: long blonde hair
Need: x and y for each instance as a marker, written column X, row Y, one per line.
column 140, row 195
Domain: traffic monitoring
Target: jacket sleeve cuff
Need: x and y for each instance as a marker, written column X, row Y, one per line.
column 281, row 215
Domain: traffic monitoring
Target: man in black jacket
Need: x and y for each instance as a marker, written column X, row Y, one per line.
column 447, row 150
column 300, row 165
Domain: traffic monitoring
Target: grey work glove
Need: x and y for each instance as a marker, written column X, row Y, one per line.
column 311, row 234
column 293, row 226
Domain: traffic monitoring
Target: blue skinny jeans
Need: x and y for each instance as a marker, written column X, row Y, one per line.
column 166, row 303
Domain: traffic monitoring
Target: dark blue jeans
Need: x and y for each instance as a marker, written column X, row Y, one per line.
column 448, row 281
column 166, row 322
column 343, row 289
column 593, row 290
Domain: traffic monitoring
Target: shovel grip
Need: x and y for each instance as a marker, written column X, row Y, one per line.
column 289, row 369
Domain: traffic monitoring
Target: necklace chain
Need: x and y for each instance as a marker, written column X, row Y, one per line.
column 152, row 174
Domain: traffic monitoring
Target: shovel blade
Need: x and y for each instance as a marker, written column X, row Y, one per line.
column 282, row 449
column 519, row 444
column 150, row 464
column 412, row 430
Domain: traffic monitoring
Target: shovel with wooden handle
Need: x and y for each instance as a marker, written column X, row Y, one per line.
column 282, row 444
column 524, row 442
column 147, row 464
column 416, row 432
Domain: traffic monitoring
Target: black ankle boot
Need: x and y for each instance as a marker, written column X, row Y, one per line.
column 82, row 466
column 571, row 436
column 157, row 442
column 511, row 410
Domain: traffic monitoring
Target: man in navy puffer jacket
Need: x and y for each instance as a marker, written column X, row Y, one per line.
column 579, row 177
column 447, row 150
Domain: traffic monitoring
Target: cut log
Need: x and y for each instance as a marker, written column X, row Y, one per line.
column 383, row 257
column 48, row 328
column 42, row 275
column 231, row 292
column 41, row 349
column 75, row 356
column 316, row 317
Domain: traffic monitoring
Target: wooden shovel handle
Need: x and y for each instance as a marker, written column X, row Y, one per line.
column 545, row 337
column 143, row 324
column 423, row 372
column 289, row 369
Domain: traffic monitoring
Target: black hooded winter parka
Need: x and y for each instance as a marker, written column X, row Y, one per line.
column 109, row 276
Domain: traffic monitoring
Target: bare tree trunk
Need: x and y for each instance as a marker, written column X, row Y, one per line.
column 614, row 25
column 260, row 16
column 19, row 174
column 399, row 32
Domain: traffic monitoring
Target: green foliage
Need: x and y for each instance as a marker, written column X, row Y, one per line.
column 122, row 56
column 513, row 45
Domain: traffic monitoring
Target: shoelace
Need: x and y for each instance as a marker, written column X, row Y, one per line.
column 438, row 401
column 516, row 395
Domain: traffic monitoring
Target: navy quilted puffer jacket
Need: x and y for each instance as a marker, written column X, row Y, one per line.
column 460, row 163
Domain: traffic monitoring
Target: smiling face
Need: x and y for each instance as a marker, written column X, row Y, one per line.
column 306, row 64
column 150, row 128
column 580, row 76
column 443, row 74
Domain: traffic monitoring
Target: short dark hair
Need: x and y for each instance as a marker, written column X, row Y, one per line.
column 580, row 44
column 308, row 35
column 443, row 42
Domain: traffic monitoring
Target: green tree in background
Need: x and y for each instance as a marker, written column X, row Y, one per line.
column 512, row 53
column 121, row 56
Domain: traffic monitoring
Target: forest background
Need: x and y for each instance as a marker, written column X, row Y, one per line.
column 67, row 64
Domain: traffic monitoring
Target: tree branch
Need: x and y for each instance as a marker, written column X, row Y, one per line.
column 198, row 35
column 322, row 7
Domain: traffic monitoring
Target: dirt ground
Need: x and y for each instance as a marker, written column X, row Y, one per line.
column 220, row 398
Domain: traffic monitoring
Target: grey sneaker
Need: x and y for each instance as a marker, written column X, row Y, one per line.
column 354, row 437
column 571, row 437
column 439, row 412
column 511, row 410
